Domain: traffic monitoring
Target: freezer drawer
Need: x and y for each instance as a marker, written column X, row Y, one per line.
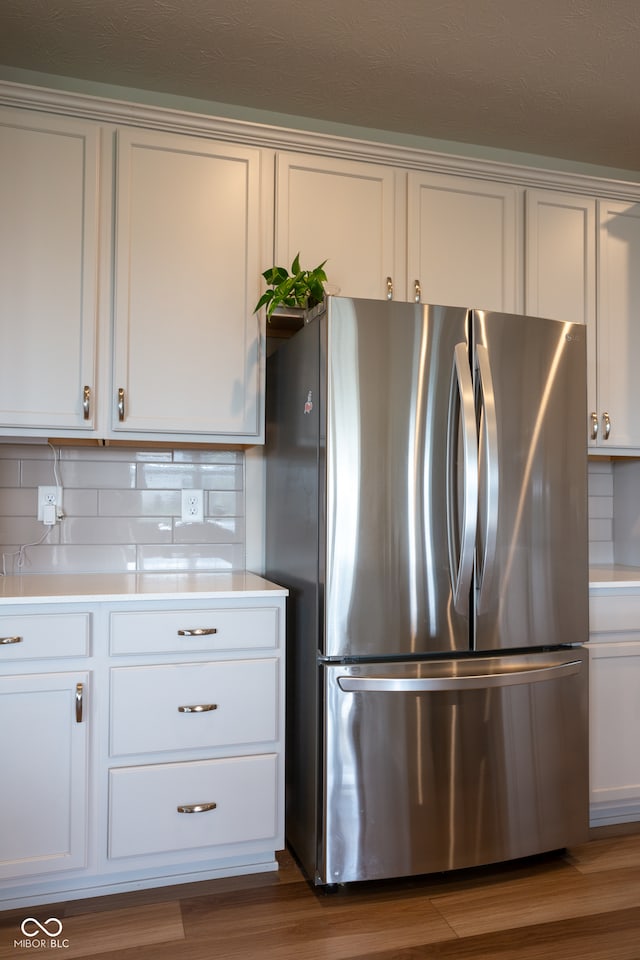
column 432, row 766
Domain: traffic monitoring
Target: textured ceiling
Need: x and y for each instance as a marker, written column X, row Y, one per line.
column 559, row 78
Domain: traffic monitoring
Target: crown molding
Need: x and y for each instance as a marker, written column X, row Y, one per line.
column 112, row 111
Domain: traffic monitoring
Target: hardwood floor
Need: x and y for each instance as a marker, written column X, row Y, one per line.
column 580, row 905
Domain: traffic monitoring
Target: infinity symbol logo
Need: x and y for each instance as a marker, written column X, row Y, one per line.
column 51, row 927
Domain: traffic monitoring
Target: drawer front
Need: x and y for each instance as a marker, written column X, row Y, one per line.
column 614, row 614
column 156, row 708
column 44, row 635
column 238, row 794
column 194, row 631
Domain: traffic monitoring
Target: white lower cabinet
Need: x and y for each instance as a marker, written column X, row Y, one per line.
column 43, row 799
column 615, row 708
column 143, row 743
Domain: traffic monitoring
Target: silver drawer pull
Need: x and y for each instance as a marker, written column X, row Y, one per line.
column 198, row 708
column 198, row 632
column 196, row 807
column 10, row 640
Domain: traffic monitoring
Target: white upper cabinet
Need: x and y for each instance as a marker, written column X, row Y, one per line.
column 187, row 345
column 341, row 211
column 560, row 266
column 618, row 333
column 462, row 242
column 48, row 271
column 583, row 265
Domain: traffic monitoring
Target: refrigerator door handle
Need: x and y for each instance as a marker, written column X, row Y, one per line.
column 461, row 535
column 492, row 475
column 472, row 682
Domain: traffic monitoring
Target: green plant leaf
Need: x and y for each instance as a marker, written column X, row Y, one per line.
column 265, row 298
column 303, row 288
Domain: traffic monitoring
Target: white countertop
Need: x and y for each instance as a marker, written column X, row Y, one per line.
column 51, row 588
column 614, row 576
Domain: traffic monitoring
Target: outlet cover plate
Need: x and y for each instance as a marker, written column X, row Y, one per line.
column 49, row 496
column 192, row 506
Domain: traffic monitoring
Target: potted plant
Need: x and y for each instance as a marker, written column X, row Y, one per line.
column 300, row 289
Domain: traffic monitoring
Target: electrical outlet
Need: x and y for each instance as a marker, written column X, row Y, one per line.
column 193, row 506
column 49, row 504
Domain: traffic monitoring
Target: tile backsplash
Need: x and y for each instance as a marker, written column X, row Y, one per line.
column 122, row 508
column 600, row 512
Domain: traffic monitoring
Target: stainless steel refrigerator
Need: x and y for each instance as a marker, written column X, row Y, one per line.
column 427, row 508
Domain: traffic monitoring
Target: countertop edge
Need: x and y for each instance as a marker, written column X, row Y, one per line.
column 41, row 589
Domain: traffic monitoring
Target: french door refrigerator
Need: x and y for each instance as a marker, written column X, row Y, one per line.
column 426, row 506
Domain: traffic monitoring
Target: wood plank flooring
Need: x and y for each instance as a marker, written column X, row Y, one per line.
column 580, row 905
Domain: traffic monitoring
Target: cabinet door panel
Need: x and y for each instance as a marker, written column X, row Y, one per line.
column 187, row 344
column 48, row 271
column 43, row 801
column 462, row 243
column 560, row 265
column 341, row 211
column 618, row 327
column 615, row 720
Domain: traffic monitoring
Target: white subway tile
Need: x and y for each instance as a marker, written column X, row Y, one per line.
column 139, row 503
column 200, row 476
column 600, row 529
column 228, row 530
column 18, row 502
column 208, row 557
column 9, row 473
column 80, row 473
column 601, row 508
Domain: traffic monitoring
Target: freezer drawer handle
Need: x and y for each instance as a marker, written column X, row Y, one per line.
column 198, row 632
column 474, row 682
column 198, row 708
column 6, row 640
column 196, row 807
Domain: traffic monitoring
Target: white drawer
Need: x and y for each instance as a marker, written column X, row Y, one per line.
column 242, row 697
column 614, row 614
column 44, row 635
column 176, row 631
column 144, row 801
